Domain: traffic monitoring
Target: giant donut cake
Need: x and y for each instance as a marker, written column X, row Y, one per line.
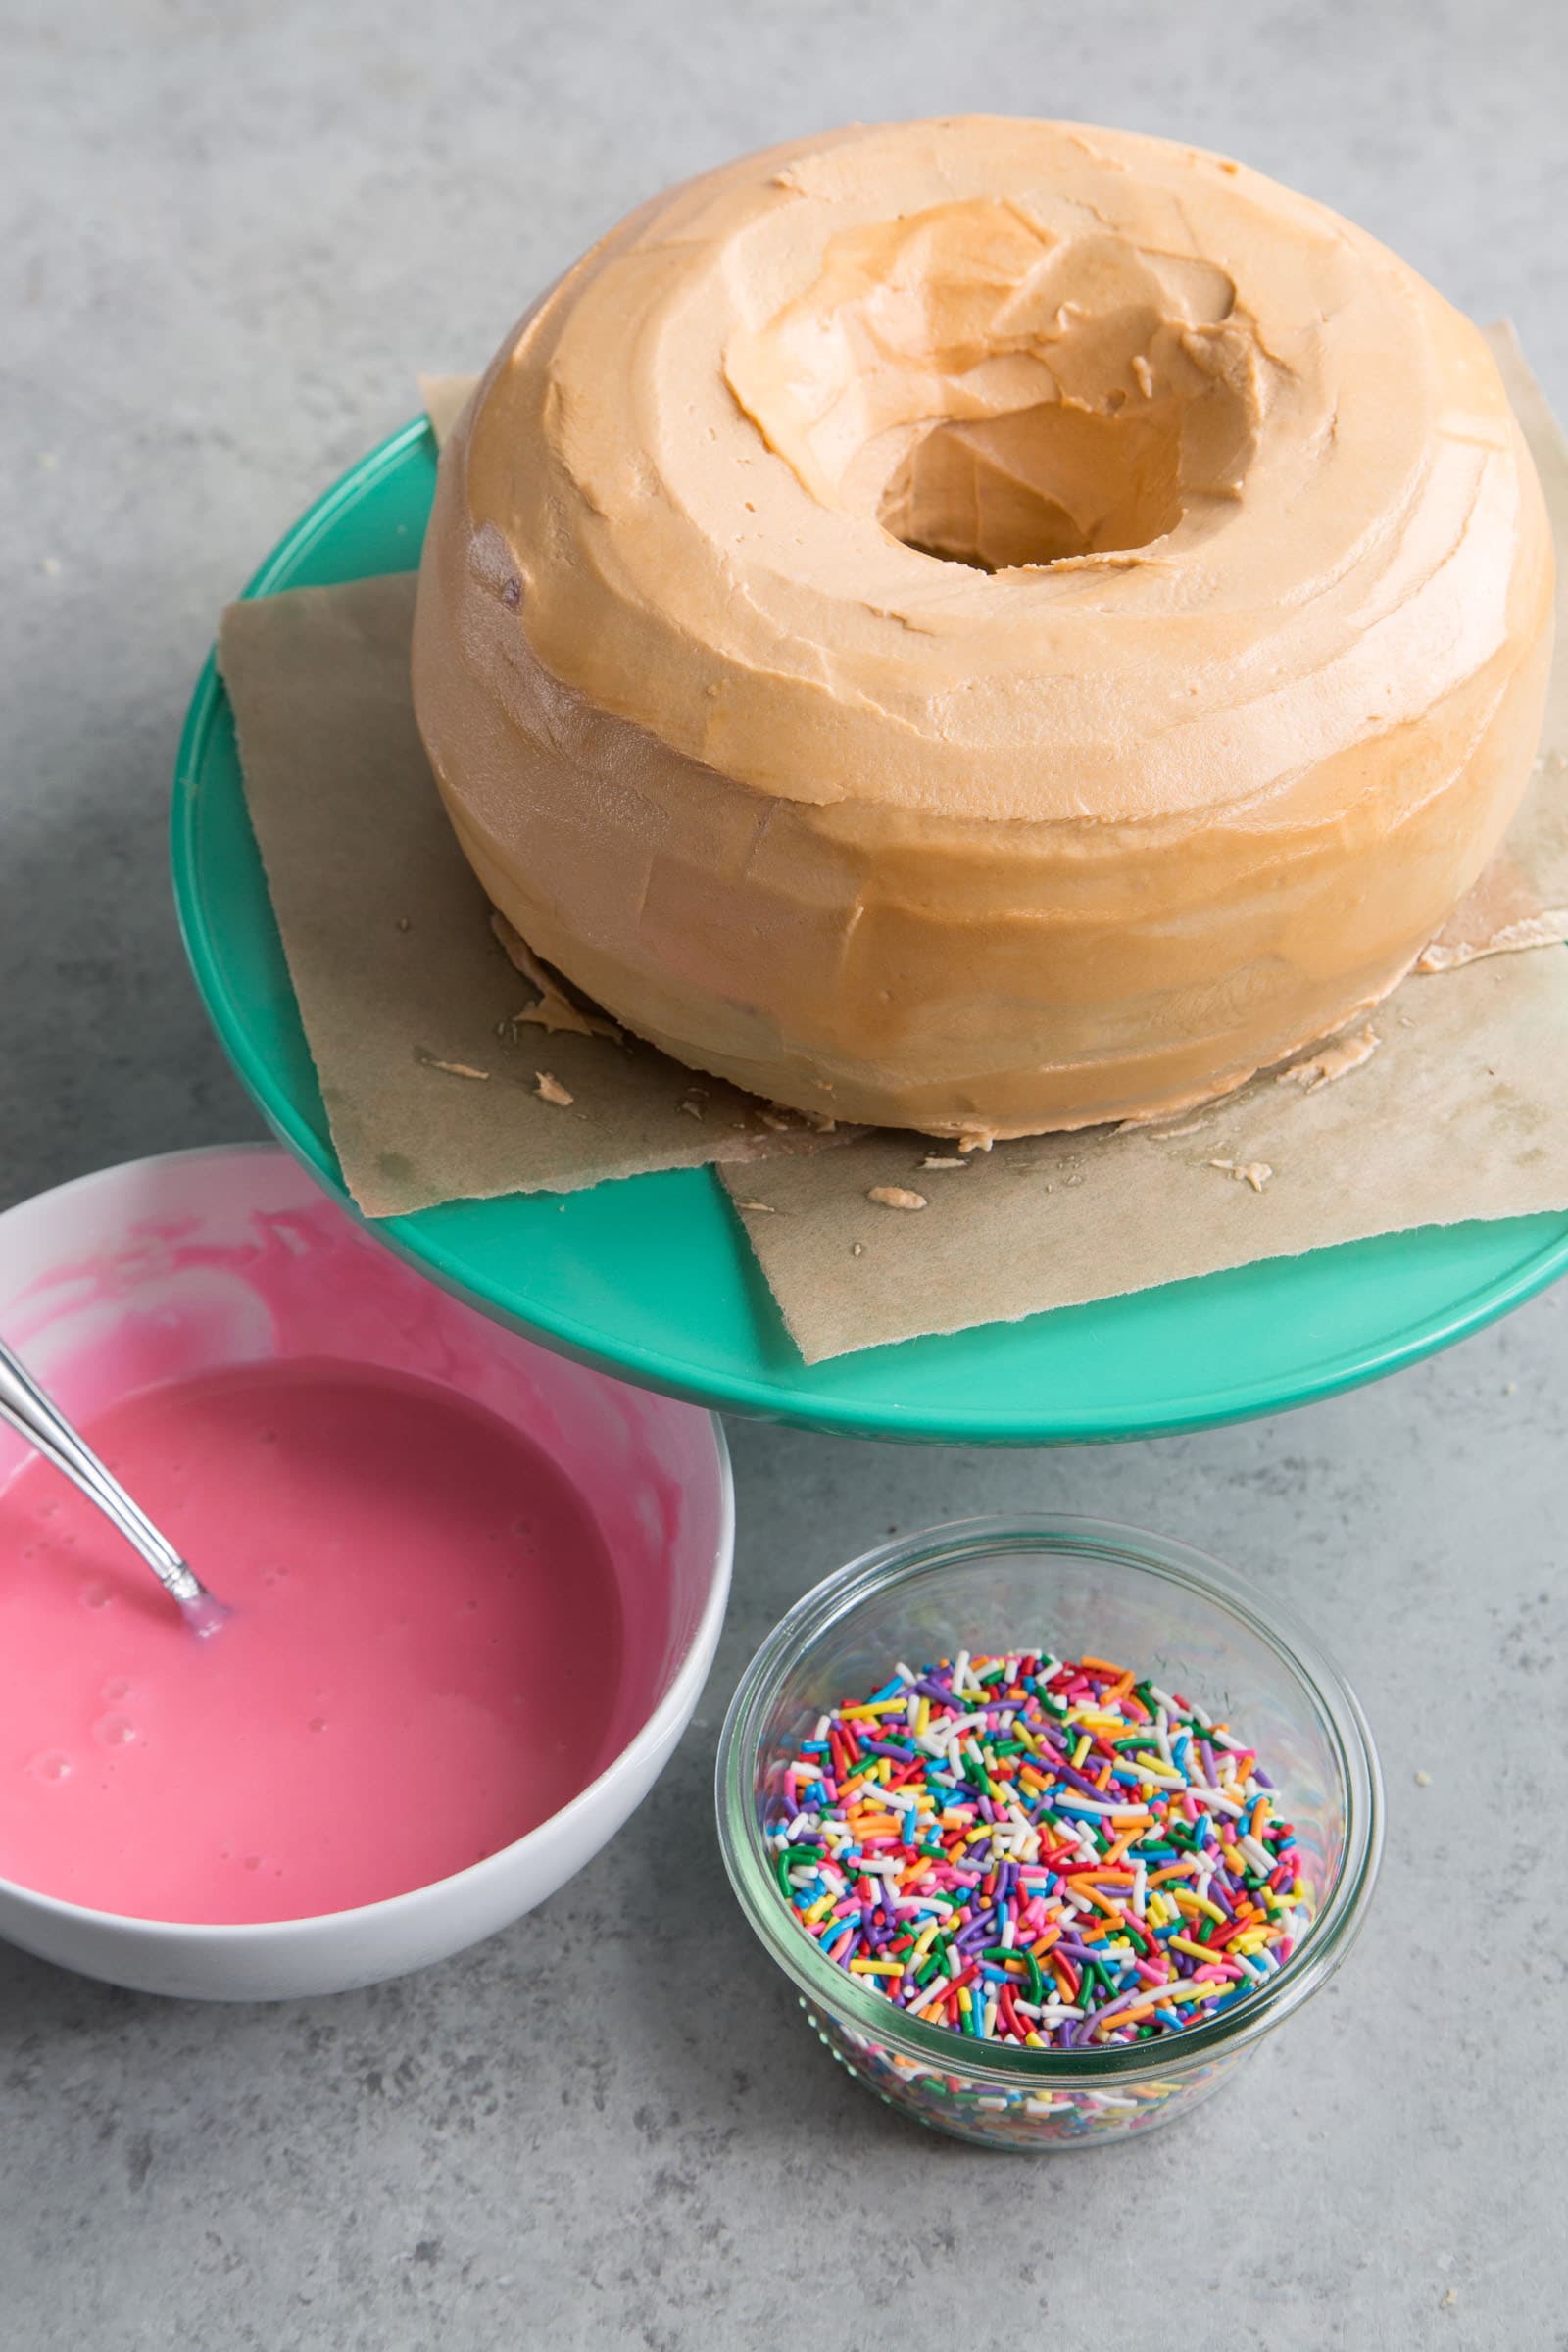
column 984, row 625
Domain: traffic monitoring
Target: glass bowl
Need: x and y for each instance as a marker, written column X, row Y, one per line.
column 1074, row 1587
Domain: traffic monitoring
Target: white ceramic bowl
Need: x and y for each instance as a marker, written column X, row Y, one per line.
column 136, row 1275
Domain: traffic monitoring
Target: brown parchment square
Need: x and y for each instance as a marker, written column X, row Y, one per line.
column 435, row 1090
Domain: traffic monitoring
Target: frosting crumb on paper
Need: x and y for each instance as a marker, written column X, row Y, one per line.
column 1255, row 1173
column 1332, row 1063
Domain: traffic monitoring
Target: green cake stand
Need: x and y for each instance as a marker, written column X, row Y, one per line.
column 653, row 1279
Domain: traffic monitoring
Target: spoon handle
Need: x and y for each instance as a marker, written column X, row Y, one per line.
column 28, row 1409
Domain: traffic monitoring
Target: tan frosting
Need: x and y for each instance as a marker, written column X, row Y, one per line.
column 984, row 624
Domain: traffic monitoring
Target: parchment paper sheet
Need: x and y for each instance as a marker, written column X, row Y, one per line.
column 403, row 987
column 1462, row 1112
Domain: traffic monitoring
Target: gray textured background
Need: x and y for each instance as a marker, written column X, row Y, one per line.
column 225, row 247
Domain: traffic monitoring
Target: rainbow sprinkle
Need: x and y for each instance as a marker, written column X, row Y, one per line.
column 1039, row 1850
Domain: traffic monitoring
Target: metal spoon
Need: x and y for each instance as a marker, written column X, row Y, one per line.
column 41, row 1422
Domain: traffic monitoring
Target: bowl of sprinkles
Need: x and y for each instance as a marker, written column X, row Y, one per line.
column 1051, row 1822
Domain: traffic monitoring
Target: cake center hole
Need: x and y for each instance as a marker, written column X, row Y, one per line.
column 998, row 393
column 1038, row 484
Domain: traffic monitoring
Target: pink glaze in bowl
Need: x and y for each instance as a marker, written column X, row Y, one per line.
column 170, row 1269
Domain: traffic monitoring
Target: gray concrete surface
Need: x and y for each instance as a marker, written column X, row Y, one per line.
column 230, row 235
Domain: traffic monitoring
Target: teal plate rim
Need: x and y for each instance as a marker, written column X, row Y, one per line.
column 856, row 1396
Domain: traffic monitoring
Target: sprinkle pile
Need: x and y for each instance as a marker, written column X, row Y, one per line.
column 1039, row 1850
